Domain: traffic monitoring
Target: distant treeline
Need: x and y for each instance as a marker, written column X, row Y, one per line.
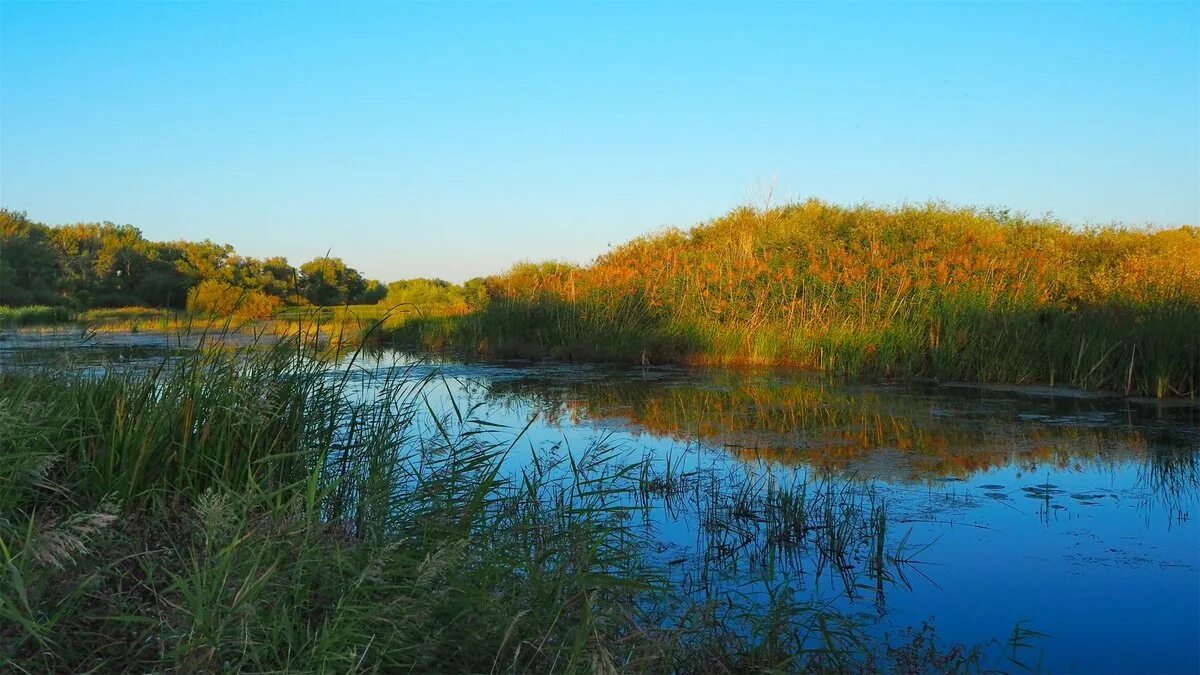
column 88, row 265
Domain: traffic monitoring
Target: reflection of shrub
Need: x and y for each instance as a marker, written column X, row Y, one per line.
column 221, row 299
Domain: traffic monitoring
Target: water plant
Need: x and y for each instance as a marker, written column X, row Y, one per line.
column 925, row 291
column 257, row 509
column 31, row 315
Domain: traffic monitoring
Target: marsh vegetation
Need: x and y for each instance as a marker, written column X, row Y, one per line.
column 257, row 508
column 915, row 292
column 231, row 509
column 240, row 471
column 911, row 292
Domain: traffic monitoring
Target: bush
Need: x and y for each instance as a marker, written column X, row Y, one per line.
column 221, row 299
column 33, row 314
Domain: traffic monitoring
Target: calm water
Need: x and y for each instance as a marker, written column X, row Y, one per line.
column 1071, row 514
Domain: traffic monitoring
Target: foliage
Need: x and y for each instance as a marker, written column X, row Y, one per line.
column 915, row 291
column 28, row 263
column 32, row 315
column 217, row 298
column 328, row 281
column 435, row 295
column 373, row 292
column 90, row 265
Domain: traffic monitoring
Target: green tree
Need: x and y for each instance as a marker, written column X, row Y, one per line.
column 29, row 269
column 328, row 281
column 101, row 263
column 372, row 293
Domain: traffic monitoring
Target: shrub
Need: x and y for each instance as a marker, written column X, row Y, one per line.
column 33, row 314
column 221, row 299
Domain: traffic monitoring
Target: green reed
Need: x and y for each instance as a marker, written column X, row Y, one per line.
column 33, row 315
column 256, row 509
column 914, row 292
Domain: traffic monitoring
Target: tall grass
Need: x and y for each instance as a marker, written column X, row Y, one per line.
column 32, row 315
column 257, row 510
column 914, row 292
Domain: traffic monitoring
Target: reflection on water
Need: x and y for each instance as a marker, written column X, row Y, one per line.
column 973, row 508
column 87, row 350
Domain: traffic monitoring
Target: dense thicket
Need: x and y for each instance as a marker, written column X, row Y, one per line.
column 105, row 265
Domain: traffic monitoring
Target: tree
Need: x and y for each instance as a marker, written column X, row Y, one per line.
column 101, row 263
column 218, row 298
column 328, row 281
column 203, row 260
column 28, row 261
column 372, row 293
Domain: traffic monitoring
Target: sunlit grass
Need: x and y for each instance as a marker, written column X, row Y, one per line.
column 913, row 292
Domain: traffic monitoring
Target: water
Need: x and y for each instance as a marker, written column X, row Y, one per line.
column 1067, row 513
column 1071, row 515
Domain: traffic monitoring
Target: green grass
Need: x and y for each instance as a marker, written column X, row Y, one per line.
column 246, row 511
column 33, row 315
column 334, row 313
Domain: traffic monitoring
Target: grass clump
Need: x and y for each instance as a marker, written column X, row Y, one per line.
column 243, row 513
column 910, row 292
column 255, row 510
column 33, row 315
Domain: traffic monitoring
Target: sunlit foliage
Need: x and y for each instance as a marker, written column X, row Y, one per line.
column 88, row 265
column 915, row 291
column 221, row 299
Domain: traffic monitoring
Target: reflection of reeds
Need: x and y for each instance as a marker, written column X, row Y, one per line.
column 255, row 509
column 1171, row 479
column 832, row 430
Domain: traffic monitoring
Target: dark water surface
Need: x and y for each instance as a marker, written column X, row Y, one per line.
column 975, row 509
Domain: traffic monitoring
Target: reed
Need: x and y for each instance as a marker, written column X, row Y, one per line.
column 32, row 315
column 911, row 292
column 254, row 509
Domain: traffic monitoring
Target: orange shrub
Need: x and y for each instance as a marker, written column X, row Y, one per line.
column 217, row 298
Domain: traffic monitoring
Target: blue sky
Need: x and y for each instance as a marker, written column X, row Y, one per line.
column 453, row 140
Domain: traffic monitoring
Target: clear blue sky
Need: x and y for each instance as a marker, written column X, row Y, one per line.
column 452, row 140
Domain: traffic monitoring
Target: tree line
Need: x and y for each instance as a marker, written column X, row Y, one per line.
column 87, row 265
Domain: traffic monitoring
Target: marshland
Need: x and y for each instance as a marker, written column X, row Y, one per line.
column 599, row 337
column 798, row 441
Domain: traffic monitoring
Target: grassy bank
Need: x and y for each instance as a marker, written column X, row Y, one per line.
column 346, row 325
column 33, row 315
column 243, row 511
column 911, row 292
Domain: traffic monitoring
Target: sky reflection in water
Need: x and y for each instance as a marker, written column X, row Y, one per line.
column 1073, row 514
column 1070, row 513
